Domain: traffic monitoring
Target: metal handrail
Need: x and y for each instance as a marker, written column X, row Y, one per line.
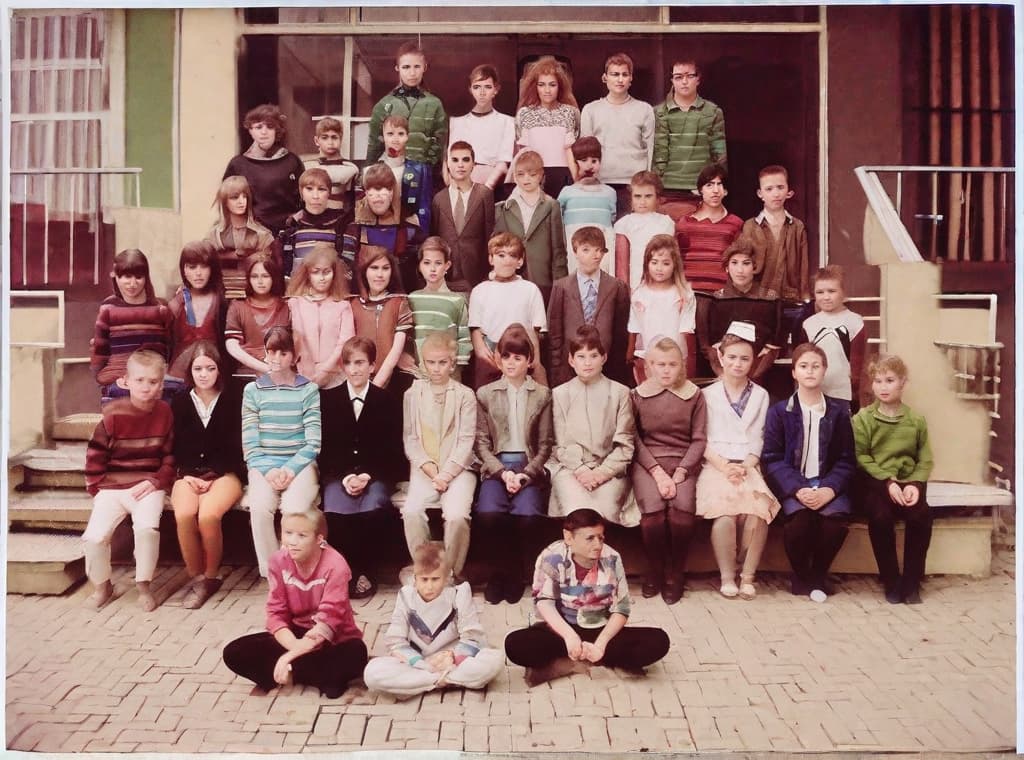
column 97, row 173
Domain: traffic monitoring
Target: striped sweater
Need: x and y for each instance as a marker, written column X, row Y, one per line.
column 280, row 424
column 122, row 328
column 131, row 445
column 442, row 310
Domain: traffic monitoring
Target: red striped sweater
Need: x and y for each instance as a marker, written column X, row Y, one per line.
column 122, row 328
column 129, row 446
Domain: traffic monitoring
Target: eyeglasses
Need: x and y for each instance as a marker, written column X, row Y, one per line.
column 684, row 77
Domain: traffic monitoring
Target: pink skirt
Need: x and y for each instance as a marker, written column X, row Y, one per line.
column 716, row 496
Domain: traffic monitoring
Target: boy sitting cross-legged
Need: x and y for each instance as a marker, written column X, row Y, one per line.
column 128, row 469
column 582, row 597
column 514, row 436
column 435, row 638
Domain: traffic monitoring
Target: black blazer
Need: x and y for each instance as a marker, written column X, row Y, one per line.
column 213, row 450
column 371, row 444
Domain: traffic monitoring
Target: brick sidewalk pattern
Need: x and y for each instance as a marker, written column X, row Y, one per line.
column 776, row 674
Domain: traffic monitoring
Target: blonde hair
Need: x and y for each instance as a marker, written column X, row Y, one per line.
column 145, row 357
column 322, row 253
column 429, row 555
column 888, row 363
column 314, row 517
column 439, row 340
column 668, row 346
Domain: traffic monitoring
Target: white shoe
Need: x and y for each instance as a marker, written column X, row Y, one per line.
column 747, row 590
column 729, row 590
column 817, row 595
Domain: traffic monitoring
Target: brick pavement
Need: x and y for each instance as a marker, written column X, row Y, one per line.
column 775, row 674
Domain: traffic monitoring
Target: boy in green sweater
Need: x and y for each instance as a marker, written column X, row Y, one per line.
column 896, row 461
column 428, row 123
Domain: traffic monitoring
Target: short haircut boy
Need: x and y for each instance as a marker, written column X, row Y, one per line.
column 587, row 338
column 773, row 169
column 809, row 348
column 145, row 358
column 395, row 122
column 359, row 344
column 888, row 363
column 462, row 145
column 589, row 235
column 315, row 177
column 516, row 340
column 440, row 340
column 484, row 71
column 582, row 518
column 586, row 147
column 503, row 240
column 429, row 556
column 686, row 62
column 619, row 59
column 435, row 243
column 832, row 272
column 379, row 177
column 409, row 48
column 647, row 179
column 316, row 519
column 329, row 124
column 529, row 161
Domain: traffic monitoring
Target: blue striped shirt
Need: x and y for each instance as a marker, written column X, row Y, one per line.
column 280, row 424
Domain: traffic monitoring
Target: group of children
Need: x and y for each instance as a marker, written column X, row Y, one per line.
column 346, row 383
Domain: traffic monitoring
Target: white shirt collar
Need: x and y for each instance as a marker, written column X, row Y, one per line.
column 764, row 215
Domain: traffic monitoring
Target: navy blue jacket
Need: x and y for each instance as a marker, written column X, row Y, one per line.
column 783, row 446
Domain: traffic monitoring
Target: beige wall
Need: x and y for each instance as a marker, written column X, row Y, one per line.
column 958, row 429
column 28, row 391
column 207, row 111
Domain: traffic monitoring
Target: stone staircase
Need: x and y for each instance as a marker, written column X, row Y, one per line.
column 48, row 509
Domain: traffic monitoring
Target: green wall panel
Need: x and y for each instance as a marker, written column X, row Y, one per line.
column 149, row 102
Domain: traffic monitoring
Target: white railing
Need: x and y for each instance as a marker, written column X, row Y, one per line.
column 967, row 211
column 85, row 199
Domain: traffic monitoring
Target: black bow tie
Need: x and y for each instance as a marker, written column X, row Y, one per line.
column 357, row 398
column 409, row 92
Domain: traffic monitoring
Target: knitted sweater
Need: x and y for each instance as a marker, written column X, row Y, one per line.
column 275, row 185
column 687, row 141
column 626, row 132
column 419, row 628
column 122, row 328
column 892, row 448
column 318, row 601
column 428, row 124
column 280, row 424
column 214, row 450
column 131, row 445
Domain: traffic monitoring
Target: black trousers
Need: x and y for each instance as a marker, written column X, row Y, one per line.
column 633, row 647
column 882, row 514
column 329, row 668
column 812, row 541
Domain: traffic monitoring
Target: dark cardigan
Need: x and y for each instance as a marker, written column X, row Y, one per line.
column 214, row 450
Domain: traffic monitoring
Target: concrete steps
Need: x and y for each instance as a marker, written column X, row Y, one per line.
column 44, row 563
column 75, row 427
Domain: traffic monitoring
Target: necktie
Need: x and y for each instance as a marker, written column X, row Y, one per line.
column 590, row 303
column 460, row 212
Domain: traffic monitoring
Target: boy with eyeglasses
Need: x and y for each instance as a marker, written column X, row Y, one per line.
column 689, row 134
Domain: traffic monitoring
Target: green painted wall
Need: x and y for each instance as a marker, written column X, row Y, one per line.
column 149, row 102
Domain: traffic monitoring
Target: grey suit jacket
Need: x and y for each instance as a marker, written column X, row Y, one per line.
column 544, row 241
column 565, row 317
column 469, row 247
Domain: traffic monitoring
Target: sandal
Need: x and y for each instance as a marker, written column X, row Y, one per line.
column 747, row 590
column 369, row 587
